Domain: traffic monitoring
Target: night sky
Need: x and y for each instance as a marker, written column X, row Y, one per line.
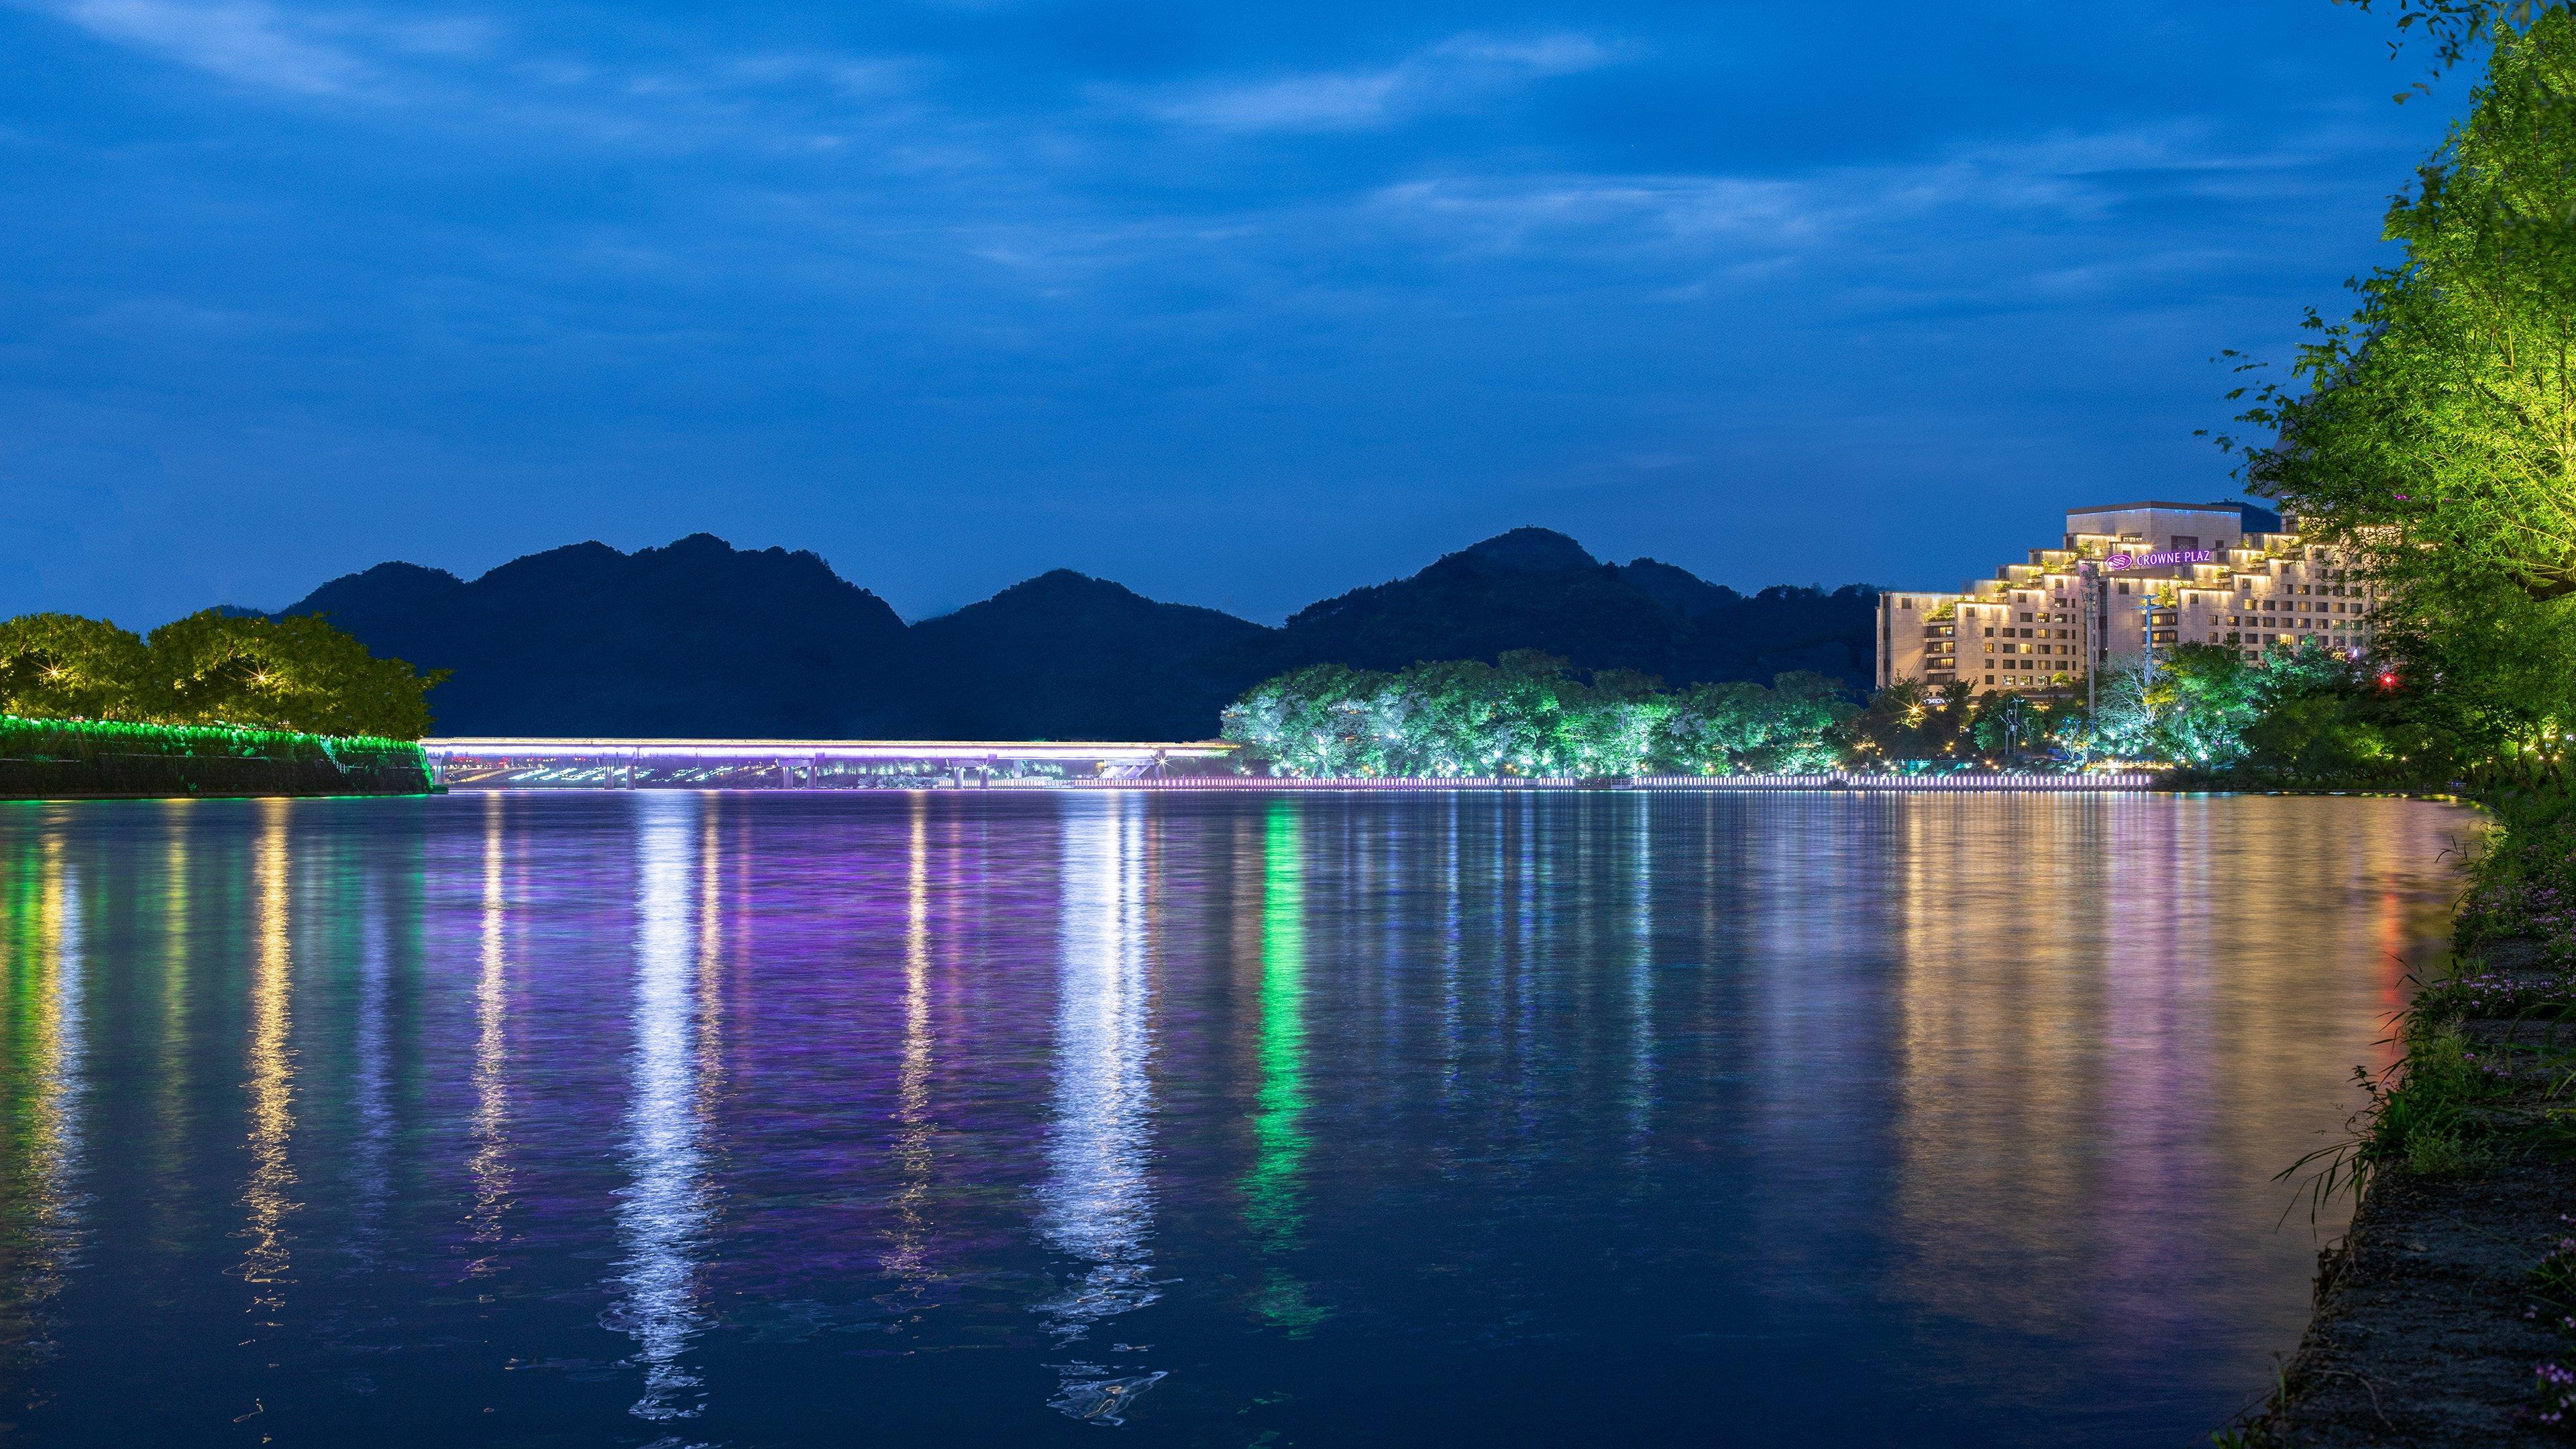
column 1238, row 305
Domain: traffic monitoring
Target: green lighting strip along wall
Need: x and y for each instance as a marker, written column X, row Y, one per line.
column 51, row 758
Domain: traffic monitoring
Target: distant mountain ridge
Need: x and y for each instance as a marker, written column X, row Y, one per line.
column 699, row 638
column 693, row 639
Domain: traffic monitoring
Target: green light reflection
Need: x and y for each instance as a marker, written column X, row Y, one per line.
column 1275, row 1207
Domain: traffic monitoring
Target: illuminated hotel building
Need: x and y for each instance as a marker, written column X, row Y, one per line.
column 2168, row 574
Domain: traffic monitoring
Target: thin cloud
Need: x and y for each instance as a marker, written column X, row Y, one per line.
column 461, row 69
column 2073, row 177
column 1456, row 72
column 255, row 44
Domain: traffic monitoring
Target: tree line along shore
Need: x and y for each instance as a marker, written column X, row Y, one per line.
column 2202, row 715
column 89, row 702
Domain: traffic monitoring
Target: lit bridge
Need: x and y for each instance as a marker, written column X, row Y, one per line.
column 628, row 764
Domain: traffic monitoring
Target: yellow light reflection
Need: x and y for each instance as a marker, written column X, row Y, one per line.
column 266, row 1200
column 55, row 1062
column 171, row 1107
column 2087, row 983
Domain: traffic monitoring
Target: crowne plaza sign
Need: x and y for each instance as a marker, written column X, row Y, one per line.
column 2161, row 560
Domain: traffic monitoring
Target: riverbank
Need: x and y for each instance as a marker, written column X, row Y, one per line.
column 2447, row 1313
column 1914, row 784
column 95, row 760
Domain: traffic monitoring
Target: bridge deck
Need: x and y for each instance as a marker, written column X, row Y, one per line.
column 963, row 751
column 526, row 762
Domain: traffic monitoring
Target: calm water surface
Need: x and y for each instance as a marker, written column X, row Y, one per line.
column 771, row 1119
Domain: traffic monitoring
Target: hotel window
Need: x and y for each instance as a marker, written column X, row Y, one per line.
column 1905, row 603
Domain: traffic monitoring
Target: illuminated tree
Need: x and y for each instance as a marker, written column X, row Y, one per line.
column 298, row 674
column 1527, row 714
column 62, row 666
column 1742, row 728
column 1311, row 722
column 210, row 669
column 2435, row 435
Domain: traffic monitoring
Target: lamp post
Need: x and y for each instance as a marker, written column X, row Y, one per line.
column 2089, row 586
column 2147, row 647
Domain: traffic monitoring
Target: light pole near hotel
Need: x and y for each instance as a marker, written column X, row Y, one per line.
column 2089, row 576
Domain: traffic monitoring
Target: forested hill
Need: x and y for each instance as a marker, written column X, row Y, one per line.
column 700, row 638
column 1536, row 589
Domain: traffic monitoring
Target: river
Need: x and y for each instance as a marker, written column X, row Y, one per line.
column 1023, row 1118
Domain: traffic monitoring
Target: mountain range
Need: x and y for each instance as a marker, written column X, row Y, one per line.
column 702, row 639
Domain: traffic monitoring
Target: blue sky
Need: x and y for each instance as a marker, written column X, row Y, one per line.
column 1238, row 305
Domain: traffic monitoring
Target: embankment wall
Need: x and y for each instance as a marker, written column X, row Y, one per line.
column 89, row 760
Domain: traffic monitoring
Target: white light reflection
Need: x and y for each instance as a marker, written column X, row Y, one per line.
column 370, row 1085
column 1097, row 1202
column 907, row 1259
column 662, row 1215
column 1641, row 978
column 490, row 1163
column 711, row 965
column 1452, row 1034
